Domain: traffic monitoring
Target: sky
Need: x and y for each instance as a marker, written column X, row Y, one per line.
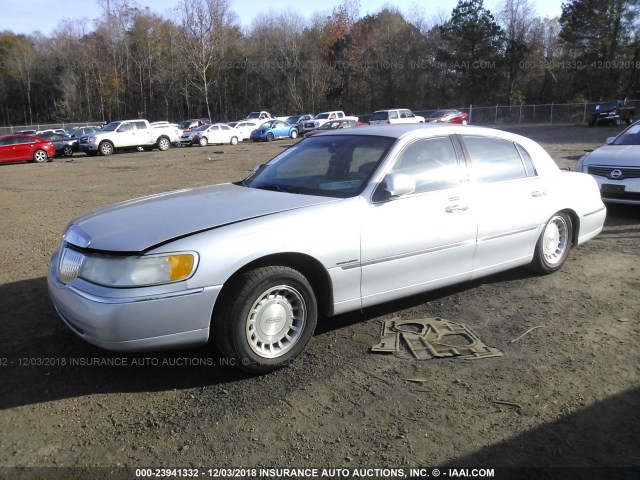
column 20, row 16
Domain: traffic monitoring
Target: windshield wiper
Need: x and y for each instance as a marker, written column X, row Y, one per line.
column 275, row 188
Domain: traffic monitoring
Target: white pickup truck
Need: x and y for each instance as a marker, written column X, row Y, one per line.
column 321, row 119
column 125, row 134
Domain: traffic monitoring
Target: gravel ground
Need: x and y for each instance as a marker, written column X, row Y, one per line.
column 564, row 396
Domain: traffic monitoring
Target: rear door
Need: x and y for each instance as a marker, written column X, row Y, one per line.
column 511, row 202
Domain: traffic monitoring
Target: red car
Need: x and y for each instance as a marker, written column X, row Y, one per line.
column 448, row 116
column 334, row 125
column 19, row 148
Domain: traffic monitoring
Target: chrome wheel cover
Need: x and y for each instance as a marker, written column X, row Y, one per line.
column 555, row 240
column 276, row 321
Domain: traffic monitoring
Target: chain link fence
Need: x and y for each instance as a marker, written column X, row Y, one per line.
column 39, row 127
column 551, row 113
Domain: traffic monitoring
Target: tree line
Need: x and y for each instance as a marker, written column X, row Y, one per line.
column 199, row 62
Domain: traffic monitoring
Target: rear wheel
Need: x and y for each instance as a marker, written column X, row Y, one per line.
column 40, row 156
column 268, row 316
column 67, row 151
column 269, row 137
column 294, row 134
column 234, row 140
column 163, row 144
column 553, row 245
column 203, row 142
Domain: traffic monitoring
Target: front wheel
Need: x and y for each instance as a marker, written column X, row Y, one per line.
column 553, row 245
column 294, row 134
column 268, row 316
column 269, row 137
column 464, row 122
column 234, row 140
column 106, row 148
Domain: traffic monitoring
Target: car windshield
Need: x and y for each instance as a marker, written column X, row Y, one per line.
column 322, row 116
column 268, row 124
column 329, row 126
column 438, row 113
column 329, row 166
column 631, row 136
column 201, row 128
column 111, row 127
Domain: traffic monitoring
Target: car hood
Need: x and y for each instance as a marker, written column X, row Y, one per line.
column 141, row 224
column 615, row 156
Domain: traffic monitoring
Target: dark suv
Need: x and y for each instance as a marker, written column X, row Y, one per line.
column 612, row 112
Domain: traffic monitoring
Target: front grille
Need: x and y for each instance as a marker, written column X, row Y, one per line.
column 70, row 265
column 605, row 171
column 621, row 196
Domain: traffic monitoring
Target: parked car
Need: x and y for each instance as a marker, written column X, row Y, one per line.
column 335, row 125
column 59, row 131
column 128, row 134
column 274, row 130
column 398, row 115
column 616, row 167
column 252, row 265
column 187, row 125
column 259, row 116
column 611, row 113
column 64, row 145
column 321, row 119
column 216, row 133
column 80, row 131
column 244, row 128
column 448, row 116
column 20, row 148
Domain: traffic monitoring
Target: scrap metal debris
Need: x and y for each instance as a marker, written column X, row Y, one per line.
column 428, row 338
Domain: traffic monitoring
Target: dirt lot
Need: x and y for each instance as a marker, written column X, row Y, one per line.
column 569, row 391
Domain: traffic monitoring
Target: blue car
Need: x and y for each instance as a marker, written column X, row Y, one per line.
column 273, row 130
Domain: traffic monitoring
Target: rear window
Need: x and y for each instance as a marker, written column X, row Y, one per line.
column 377, row 116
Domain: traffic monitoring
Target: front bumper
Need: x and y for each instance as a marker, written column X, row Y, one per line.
column 619, row 191
column 133, row 319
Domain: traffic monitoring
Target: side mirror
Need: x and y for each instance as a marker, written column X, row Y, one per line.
column 395, row 185
column 610, row 140
column 257, row 167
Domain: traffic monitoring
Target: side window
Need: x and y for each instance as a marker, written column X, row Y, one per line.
column 125, row 127
column 140, row 125
column 432, row 162
column 494, row 160
column 393, row 114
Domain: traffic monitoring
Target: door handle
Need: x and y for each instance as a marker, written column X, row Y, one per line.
column 538, row 194
column 461, row 207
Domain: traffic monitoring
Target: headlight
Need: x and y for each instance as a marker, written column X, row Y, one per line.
column 91, row 139
column 580, row 164
column 142, row 271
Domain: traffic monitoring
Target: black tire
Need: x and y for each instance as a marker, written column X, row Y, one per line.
column 269, row 137
column 553, row 245
column 40, row 156
column 67, row 151
column 164, row 144
column 267, row 317
column 105, row 148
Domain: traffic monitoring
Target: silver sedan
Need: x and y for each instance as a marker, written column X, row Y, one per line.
column 616, row 167
column 338, row 222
